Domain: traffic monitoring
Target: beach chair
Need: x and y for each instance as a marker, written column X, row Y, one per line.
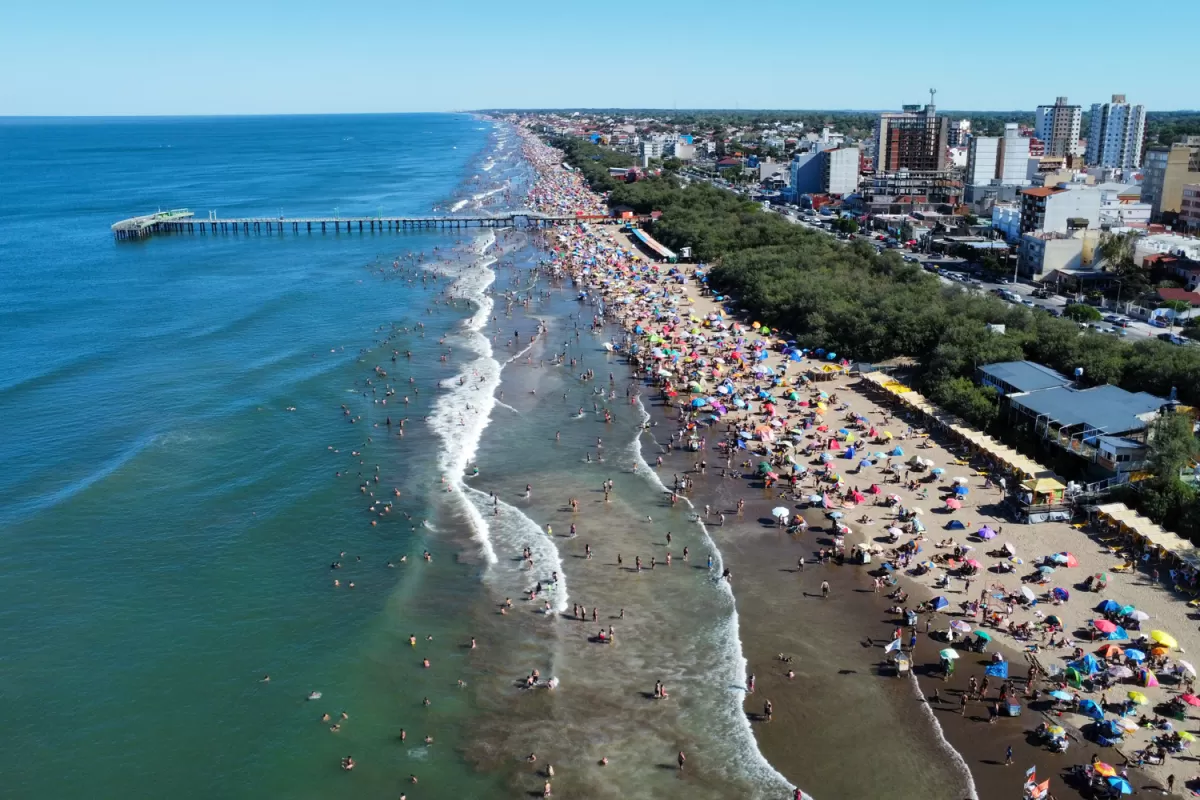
column 1126, row 567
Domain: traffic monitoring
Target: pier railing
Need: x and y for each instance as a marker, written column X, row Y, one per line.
column 184, row 221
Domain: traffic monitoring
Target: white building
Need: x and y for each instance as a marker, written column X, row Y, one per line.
column 1013, row 157
column 983, row 156
column 1121, row 206
column 1048, row 208
column 841, row 172
column 1115, row 136
column 1006, row 218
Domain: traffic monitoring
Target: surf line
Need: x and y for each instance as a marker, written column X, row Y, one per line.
column 764, row 771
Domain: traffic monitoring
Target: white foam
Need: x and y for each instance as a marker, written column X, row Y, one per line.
column 959, row 762
column 460, row 418
column 459, row 205
column 731, row 662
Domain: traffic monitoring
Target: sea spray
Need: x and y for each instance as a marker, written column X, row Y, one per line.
column 460, row 418
column 729, row 665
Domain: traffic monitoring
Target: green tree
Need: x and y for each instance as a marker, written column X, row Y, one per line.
column 672, row 165
column 1081, row 312
column 1177, row 307
column 1172, row 444
column 906, row 231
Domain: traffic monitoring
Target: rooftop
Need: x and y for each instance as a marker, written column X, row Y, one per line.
column 1171, row 294
column 1025, row 376
column 1108, row 409
column 1042, row 191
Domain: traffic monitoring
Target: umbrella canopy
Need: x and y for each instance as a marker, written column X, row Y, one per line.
column 1028, row 594
column 894, row 531
column 939, row 471
column 1138, row 698
column 954, row 505
column 949, row 654
column 1163, row 638
column 1061, row 594
column 1108, row 607
column 1140, row 616
column 1066, row 558
column 985, row 532
column 960, row 481
column 960, row 626
column 1187, row 666
column 1106, row 770
column 1059, row 694
column 973, row 563
column 1190, row 699
column 987, row 637
column 1054, row 619
column 835, row 515
column 1104, row 626
column 1120, row 672
column 1110, row 651
column 1135, row 655
column 780, row 511
column 938, row 603
column 1120, row 784
column 961, row 491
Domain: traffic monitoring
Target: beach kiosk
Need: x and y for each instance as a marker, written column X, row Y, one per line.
column 1042, row 498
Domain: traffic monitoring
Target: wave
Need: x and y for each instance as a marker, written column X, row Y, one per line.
column 460, row 418
column 730, row 665
column 459, row 205
column 959, row 762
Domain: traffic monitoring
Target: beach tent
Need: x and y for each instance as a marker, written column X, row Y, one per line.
column 897, row 451
column 1119, row 633
column 955, row 525
column 997, row 670
column 1090, row 708
column 938, row 603
column 1088, row 665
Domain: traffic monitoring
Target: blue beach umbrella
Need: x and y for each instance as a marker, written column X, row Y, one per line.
column 864, row 463
column 835, row 515
column 898, row 451
column 815, row 498
column 1108, row 607
column 1120, row 784
column 1118, row 634
column 997, row 670
column 1059, row 694
column 1133, row 654
column 1090, row 708
column 961, row 490
column 939, row 471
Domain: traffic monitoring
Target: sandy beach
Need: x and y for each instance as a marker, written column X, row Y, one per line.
column 773, row 592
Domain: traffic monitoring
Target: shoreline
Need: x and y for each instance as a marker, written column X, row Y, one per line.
column 760, row 554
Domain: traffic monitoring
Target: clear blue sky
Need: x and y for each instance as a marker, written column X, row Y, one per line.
column 76, row 57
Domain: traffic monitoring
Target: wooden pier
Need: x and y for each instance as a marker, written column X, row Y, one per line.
column 183, row 221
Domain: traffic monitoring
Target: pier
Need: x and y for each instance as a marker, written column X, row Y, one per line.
column 184, row 221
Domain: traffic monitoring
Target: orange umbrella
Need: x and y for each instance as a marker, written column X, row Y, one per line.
column 1110, row 651
column 1107, row 770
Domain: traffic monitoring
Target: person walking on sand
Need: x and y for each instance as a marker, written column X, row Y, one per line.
column 825, row 589
column 1008, row 760
column 681, row 759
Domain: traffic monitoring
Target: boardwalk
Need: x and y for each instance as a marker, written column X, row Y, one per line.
column 183, row 221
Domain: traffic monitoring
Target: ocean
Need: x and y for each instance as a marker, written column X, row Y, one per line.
column 225, row 456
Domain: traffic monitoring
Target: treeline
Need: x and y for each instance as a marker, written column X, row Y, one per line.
column 869, row 306
column 593, row 161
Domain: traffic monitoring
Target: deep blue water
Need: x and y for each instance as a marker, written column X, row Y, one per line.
column 168, row 523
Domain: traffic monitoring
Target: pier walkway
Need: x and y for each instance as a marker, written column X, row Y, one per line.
column 184, row 221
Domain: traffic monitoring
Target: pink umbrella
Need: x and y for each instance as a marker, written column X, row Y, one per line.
column 1104, row 626
column 954, row 504
column 973, row 563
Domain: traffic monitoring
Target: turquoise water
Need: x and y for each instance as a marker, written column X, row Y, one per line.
column 169, row 525
column 196, row 432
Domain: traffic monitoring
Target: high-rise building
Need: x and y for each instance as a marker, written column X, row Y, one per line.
column 982, row 158
column 998, row 161
column 1058, row 128
column 831, row 171
column 914, row 139
column 960, row 133
column 1167, row 171
column 1115, row 134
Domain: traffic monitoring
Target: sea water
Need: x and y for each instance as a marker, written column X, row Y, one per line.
column 196, row 433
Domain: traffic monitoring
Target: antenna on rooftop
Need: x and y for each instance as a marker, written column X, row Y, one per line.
column 932, row 93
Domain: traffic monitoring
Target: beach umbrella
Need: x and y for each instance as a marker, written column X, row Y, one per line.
column 1059, row 694
column 1134, row 654
column 1190, row 699
column 959, row 626
column 1148, row 679
column 1090, row 708
column 894, row 531
column 1186, row 737
column 939, row 471
column 835, row 515
column 960, row 481
column 938, row 603
column 1105, row 770
column 1120, row 784
column 1067, row 558
column 1140, row 616
column 815, row 498
column 1104, row 626
column 1163, row 638
column 1028, row 594
column 1009, row 548
column 954, row 505
column 987, row 637
column 985, row 532
column 1061, row 594
column 1015, row 560
column 1138, row 698
column 1046, row 569
column 897, row 451
column 1187, row 666
column 973, row 563
column 1108, row 607
column 1056, row 730
column 1120, row 672
column 1054, row 619
column 949, row 654
column 780, row 512
column 1119, row 633
column 961, row 491
column 1125, row 724
column 918, row 511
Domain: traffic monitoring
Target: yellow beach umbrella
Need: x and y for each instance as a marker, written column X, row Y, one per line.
column 1107, row 770
column 1187, row 737
column 1164, row 638
column 1139, row 698
column 1056, row 730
